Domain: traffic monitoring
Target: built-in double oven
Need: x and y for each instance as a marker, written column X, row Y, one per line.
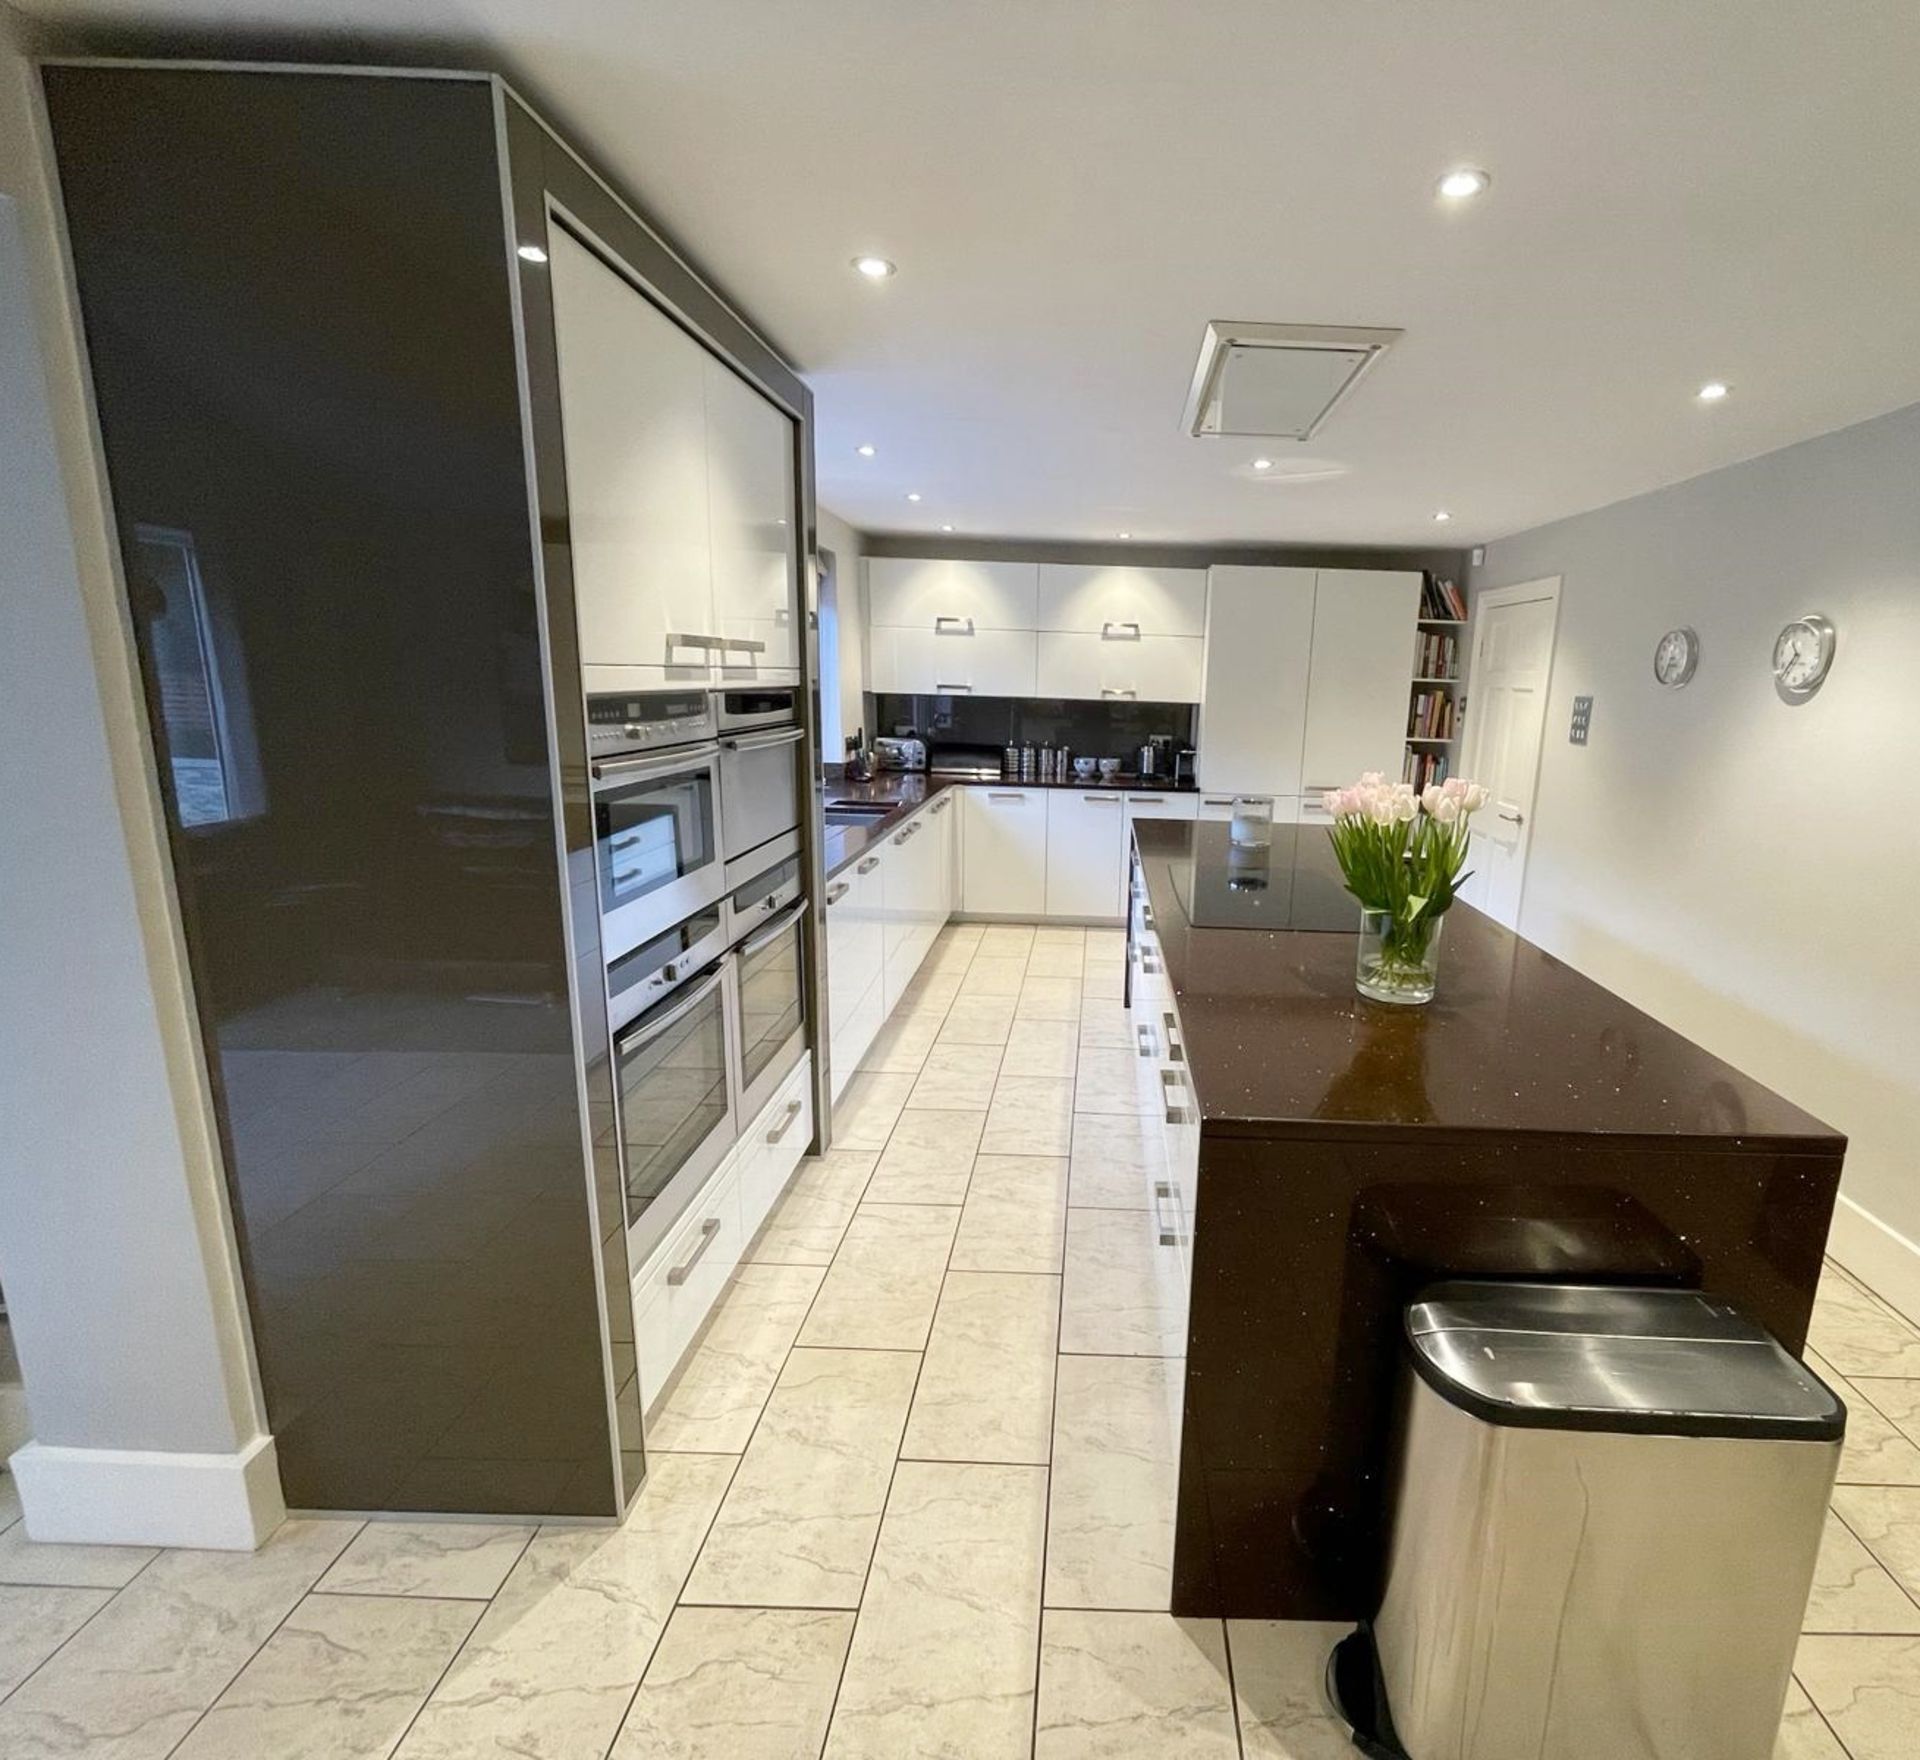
column 697, row 798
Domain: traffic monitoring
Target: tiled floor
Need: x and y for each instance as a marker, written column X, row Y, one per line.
column 911, row 1496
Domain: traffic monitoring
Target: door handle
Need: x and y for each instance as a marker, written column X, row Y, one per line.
column 837, row 891
column 1144, row 1035
column 786, row 1122
column 1176, row 1052
column 964, row 623
column 1171, row 1079
column 1126, row 691
column 954, row 688
column 681, row 1272
column 994, row 795
column 1169, row 1236
column 1512, row 818
column 868, row 866
column 1107, row 629
column 763, row 742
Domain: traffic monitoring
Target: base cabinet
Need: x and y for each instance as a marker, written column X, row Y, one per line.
column 1005, row 868
column 1086, row 854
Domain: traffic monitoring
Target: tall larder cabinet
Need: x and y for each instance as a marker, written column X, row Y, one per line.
column 317, row 310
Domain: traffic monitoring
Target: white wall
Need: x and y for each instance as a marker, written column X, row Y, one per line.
column 115, row 1247
column 849, row 552
column 1749, row 872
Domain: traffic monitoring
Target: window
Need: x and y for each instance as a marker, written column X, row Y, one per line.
column 832, row 729
column 209, row 736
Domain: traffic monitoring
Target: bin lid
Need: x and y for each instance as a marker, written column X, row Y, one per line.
column 1660, row 1362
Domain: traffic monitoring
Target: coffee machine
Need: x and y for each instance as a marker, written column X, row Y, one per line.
column 1155, row 759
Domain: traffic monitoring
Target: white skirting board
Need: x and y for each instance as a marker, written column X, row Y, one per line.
column 140, row 1497
column 1880, row 1257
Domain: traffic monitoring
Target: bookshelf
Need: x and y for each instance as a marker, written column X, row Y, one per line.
column 1434, row 701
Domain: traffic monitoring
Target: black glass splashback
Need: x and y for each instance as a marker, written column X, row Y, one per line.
column 296, row 296
column 1095, row 730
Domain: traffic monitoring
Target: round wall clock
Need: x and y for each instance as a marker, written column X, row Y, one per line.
column 1675, row 657
column 1802, row 657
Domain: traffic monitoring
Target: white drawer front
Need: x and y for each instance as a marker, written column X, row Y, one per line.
column 679, row 1284
column 774, row 1145
column 1162, row 806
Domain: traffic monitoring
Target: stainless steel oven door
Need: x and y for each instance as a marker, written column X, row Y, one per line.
column 657, row 842
column 676, row 1104
column 769, row 972
column 760, row 795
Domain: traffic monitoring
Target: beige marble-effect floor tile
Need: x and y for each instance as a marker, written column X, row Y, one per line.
column 943, row 1653
column 1102, row 983
column 1868, row 1689
column 1042, row 1048
column 1852, row 1592
column 1057, row 959
column 1122, row 1291
column 797, row 1527
column 1059, row 935
column 340, row 1680
column 1279, row 1683
column 880, row 1291
column 1115, row 1160
column 1105, row 1024
column 1896, row 1400
column 927, row 1159
column 738, row 1683
column 1110, row 1522
column 553, row 1663
column 1860, row 1336
column 1050, row 999
column 978, row 1020
column 807, row 1224
column 957, row 1078
column 447, row 1560
column 1886, row 1518
column 35, row 1622
column 1876, row 1452
column 990, row 975
column 868, row 1108
column 1030, row 1115
column 44, row 1564
column 1119, row 1686
column 1804, row 1734
column 717, row 1398
column 131, row 1682
column 1108, row 1081
column 1015, row 1216
column 933, row 989
column 902, row 1044
column 1006, row 940
column 986, row 1387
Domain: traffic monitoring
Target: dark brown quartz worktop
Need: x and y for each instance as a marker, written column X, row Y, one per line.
column 1528, row 1123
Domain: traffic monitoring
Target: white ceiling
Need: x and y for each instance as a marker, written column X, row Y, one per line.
column 1072, row 188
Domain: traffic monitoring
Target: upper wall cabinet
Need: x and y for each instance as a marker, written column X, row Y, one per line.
column 750, row 503
column 1363, row 624
column 679, row 475
column 1098, row 600
column 1126, row 668
column 956, row 658
column 911, row 593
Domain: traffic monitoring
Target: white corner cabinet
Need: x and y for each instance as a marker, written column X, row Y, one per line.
column 1054, row 852
column 680, row 489
column 1304, row 678
column 884, row 913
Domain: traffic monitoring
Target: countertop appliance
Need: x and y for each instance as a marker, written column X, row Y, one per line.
column 1154, row 760
column 970, row 763
column 899, row 754
column 656, row 811
column 761, row 788
column 1185, row 768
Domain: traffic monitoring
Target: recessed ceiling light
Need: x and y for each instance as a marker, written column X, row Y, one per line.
column 913, row 494
column 1263, row 464
column 874, row 268
column 946, row 528
column 1463, row 183
column 533, row 253
column 1711, row 392
column 1441, row 517
column 1126, row 534
column 864, row 451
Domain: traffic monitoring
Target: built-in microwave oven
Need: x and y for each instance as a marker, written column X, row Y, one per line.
column 762, row 781
column 657, row 841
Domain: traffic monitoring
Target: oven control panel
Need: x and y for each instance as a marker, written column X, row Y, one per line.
column 639, row 721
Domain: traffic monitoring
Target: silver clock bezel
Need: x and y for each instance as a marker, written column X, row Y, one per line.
column 1687, row 633
column 1824, row 633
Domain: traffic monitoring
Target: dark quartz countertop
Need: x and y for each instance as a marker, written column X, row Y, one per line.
column 906, row 790
column 1279, row 1043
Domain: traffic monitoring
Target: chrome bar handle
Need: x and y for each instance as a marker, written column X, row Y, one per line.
column 997, row 795
column 953, row 689
column 1169, row 1237
column 965, row 623
column 681, row 1272
column 764, row 742
column 1107, row 629
column 705, row 644
column 1176, row 1052
column 837, row 891
column 1143, row 1034
column 786, row 1122
column 647, row 763
column 1169, row 1080
column 1127, row 692
column 868, row 866
column 942, row 804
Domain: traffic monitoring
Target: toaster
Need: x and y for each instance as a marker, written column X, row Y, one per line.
column 900, row 754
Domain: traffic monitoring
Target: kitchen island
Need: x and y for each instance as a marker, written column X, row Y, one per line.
column 1341, row 1154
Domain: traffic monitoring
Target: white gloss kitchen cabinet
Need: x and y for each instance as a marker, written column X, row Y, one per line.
column 1305, row 677
column 1004, row 852
column 1113, row 632
column 679, row 479
column 938, row 627
column 1086, row 853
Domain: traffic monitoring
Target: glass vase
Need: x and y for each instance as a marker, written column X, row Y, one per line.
column 1396, row 962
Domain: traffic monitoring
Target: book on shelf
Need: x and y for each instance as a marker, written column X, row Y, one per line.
column 1436, row 656
column 1441, row 599
column 1424, row 769
column 1432, row 716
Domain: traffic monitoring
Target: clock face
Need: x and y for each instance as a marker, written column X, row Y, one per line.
column 1675, row 658
column 1802, row 655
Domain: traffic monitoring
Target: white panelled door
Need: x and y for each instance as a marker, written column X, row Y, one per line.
column 1512, row 663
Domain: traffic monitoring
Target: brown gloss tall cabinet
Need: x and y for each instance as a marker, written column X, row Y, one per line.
column 325, row 384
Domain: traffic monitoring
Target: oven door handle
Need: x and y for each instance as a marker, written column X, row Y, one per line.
column 764, row 742
column 653, row 1028
column 653, row 763
column 774, row 930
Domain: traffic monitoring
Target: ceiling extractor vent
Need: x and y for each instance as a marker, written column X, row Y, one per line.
column 1278, row 380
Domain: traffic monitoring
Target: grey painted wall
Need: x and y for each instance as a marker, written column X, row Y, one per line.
column 1743, row 869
